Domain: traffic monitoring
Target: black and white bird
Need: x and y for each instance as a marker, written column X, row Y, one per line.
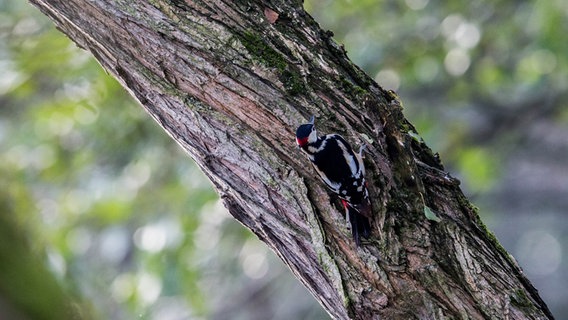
column 343, row 172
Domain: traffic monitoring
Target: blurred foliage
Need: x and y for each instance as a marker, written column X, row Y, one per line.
column 95, row 172
column 19, row 298
column 111, row 205
column 118, row 214
column 470, row 73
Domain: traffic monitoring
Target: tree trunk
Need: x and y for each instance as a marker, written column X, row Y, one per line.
column 231, row 80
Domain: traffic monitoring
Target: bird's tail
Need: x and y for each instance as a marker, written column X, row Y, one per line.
column 360, row 225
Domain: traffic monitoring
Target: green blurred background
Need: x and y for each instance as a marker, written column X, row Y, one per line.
column 102, row 212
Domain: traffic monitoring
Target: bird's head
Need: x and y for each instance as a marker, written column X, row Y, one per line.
column 306, row 133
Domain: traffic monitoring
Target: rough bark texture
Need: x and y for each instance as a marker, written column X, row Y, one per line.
column 231, row 80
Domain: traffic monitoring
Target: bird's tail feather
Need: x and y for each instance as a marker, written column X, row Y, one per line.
column 360, row 225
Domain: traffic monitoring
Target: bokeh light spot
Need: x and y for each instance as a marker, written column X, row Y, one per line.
column 457, row 62
column 151, row 238
column 114, row 244
column 148, row 288
column 79, row 240
column 467, row 35
column 123, row 287
column 388, row 79
column 416, row 4
column 253, row 260
column 426, row 69
column 539, row 252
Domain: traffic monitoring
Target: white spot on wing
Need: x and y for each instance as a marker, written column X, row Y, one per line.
column 349, row 158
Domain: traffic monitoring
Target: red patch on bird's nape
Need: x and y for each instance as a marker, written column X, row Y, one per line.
column 302, row 141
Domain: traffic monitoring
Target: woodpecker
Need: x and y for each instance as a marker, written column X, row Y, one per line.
column 343, row 172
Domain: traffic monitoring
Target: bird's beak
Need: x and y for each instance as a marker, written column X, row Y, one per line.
column 312, row 120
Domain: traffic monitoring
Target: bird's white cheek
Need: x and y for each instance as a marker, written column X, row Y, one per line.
column 313, row 137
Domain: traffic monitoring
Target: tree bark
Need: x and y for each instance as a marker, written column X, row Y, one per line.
column 231, row 80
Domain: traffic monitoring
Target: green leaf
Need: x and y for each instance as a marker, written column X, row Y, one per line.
column 430, row 215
